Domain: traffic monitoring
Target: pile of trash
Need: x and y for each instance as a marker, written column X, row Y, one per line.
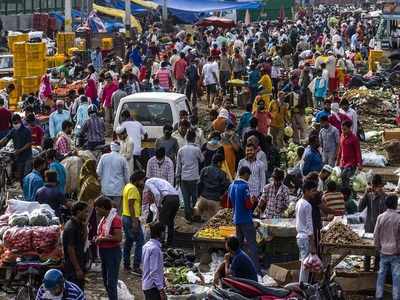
column 377, row 107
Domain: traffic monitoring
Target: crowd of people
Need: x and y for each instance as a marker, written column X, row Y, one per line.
column 230, row 159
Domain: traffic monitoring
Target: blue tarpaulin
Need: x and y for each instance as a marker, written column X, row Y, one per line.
column 203, row 6
column 191, row 11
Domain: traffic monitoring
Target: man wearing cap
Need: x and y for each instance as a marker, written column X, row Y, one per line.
column 329, row 141
column 57, row 118
column 113, row 171
column 323, row 177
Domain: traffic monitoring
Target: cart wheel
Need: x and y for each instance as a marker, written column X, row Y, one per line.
column 26, row 293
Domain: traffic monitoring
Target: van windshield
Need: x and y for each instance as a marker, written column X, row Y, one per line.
column 149, row 113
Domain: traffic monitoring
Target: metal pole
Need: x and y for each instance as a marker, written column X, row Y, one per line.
column 164, row 11
column 127, row 17
column 68, row 16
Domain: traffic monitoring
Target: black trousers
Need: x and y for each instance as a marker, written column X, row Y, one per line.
column 152, row 294
column 169, row 208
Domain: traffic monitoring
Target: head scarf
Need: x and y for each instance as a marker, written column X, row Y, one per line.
column 88, row 169
column 223, row 113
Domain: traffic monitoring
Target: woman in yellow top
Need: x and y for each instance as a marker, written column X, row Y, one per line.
column 279, row 117
column 266, row 92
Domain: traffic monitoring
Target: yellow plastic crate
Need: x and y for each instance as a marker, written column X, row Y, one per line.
column 71, row 51
column 30, row 85
column 36, row 70
column 19, row 52
column 50, row 61
column 35, row 51
column 19, row 69
column 12, row 39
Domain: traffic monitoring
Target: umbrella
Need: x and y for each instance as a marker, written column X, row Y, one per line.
column 247, row 20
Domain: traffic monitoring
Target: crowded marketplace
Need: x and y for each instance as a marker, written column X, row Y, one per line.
column 189, row 149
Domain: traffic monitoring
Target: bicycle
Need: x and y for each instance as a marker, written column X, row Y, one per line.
column 32, row 274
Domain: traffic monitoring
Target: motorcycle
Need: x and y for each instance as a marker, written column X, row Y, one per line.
column 239, row 288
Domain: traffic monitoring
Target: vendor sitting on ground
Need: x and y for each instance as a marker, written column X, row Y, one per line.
column 236, row 263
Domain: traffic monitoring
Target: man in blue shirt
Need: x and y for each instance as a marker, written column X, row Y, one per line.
column 236, row 263
column 22, row 141
column 326, row 111
column 55, row 165
column 312, row 159
column 243, row 206
column 33, row 181
column 57, row 118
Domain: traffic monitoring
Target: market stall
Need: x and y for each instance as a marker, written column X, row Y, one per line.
column 340, row 245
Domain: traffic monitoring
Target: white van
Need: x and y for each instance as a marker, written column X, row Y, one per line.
column 153, row 110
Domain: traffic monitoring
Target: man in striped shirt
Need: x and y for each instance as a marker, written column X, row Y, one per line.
column 257, row 167
column 164, row 77
column 56, row 287
column 333, row 199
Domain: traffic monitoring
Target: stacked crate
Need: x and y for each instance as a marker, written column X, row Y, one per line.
column 65, row 40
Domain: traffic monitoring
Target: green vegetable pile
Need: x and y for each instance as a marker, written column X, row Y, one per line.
column 177, row 275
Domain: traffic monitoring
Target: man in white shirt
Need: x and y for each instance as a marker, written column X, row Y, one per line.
column 166, row 198
column 304, row 226
column 113, row 171
column 136, row 132
column 210, row 79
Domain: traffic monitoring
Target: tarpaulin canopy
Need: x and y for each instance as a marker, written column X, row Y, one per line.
column 146, row 4
column 202, row 6
column 108, row 11
column 120, row 4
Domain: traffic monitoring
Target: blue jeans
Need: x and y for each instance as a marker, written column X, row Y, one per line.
column 130, row 238
column 304, row 249
column 386, row 262
column 189, row 194
column 110, row 262
column 247, row 232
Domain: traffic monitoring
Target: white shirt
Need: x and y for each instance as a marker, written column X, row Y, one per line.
column 4, row 95
column 351, row 113
column 135, row 131
column 159, row 188
column 304, row 225
column 208, row 70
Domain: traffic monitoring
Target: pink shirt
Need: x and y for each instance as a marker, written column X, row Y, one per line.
column 180, row 68
column 163, row 76
column 108, row 90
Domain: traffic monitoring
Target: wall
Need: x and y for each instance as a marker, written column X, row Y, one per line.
column 17, row 22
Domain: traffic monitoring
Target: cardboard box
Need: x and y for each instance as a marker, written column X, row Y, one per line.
column 360, row 281
column 285, row 273
column 391, row 134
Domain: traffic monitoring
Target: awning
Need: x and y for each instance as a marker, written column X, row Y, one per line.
column 217, row 22
column 145, row 4
column 108, row 11
column 202, row 6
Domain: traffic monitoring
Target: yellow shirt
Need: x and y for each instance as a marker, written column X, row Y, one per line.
column 266, row 83
column 131, row 193
column 279, row 114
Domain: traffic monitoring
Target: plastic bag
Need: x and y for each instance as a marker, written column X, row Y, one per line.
column 45, row 239
column 313, row 263
column 18, row 239
column 37, row 218
column 123, row 291
column 19, row 206
column 20, row 220
column 336, row 175
column 360, row 182
column 372, row 159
